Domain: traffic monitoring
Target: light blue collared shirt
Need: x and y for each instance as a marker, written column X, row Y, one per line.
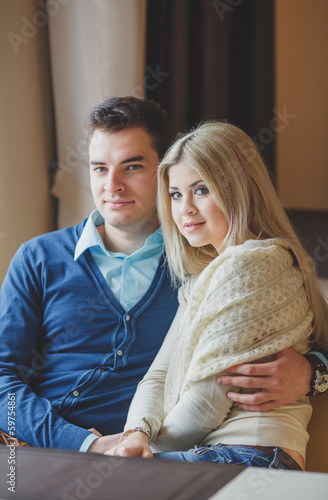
column 128, row 276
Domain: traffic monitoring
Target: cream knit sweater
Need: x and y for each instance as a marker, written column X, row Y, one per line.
column 248, row 304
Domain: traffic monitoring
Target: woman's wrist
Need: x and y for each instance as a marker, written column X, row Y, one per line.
column 141, row 431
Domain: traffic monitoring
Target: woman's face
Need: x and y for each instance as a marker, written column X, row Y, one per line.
column 194, row 211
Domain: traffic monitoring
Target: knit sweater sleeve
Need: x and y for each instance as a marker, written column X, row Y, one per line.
column 21, row 317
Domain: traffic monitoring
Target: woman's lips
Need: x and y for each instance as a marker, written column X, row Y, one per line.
column 193, row 226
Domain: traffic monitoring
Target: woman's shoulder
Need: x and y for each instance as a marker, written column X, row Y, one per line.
column 274, row 245
column 253, row 262
column 253, row 251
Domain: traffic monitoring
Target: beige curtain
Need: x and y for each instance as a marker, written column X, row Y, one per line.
column 26, row 127
column 97, row 50
column 59, row 58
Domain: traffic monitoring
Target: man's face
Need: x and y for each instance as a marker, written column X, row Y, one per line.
column 123, row 168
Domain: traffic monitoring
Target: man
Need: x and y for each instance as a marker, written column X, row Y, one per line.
column 84, row 310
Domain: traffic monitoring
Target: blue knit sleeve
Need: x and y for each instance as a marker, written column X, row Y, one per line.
column 32, row 418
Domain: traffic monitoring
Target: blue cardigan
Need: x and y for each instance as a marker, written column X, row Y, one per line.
column 71, row 356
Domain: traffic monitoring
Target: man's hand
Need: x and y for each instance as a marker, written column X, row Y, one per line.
column 97, row 433
column 135, row 445
column 284, row 380
column 104, row 443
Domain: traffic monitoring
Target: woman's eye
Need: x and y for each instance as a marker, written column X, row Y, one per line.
column 100, row 170
column 175, row 196
column 202, row 190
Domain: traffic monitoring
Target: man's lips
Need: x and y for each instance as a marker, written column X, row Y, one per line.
column 118, row 203
column 192, row 226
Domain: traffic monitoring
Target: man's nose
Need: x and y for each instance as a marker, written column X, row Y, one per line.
column 114, row 182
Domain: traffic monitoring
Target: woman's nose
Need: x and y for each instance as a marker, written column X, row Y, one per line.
column 188, row 208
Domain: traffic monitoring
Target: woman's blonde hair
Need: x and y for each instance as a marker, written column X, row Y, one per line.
column 229, row 163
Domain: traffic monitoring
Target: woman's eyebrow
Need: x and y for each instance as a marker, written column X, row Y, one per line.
column 195, row 183
column 191, row 185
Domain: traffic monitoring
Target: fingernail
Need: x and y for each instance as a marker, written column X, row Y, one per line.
column 220, row 380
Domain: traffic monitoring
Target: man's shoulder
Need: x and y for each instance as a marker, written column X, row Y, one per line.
column 58, row 236
column 55, row 242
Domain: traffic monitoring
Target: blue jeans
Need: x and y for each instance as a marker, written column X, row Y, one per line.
column 230, row 454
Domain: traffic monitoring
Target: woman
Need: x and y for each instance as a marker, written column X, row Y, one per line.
column 248, row 290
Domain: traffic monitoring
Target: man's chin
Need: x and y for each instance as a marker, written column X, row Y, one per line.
column 126, row 224
column 132, row 224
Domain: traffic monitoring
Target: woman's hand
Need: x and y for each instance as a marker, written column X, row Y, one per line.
column 104, row 442
column 135, row 445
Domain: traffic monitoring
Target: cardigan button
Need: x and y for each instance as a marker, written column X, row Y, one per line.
column 76, row 393
column 128, row 317
column 119, row 352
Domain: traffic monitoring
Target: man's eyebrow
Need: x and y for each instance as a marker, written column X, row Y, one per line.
column 97, row 163
column 133, row 158
column 127, row 160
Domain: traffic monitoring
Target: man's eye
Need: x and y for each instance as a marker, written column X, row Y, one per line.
column 202, row 190
column 175, row 195
column 134, row 167
column 100, row 170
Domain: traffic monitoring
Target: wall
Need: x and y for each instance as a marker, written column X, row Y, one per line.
column 26, row 134
column 302, row 99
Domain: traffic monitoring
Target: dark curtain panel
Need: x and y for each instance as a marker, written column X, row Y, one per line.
column 213, row 59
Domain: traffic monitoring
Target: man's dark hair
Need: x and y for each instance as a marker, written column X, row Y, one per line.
column 119, row 113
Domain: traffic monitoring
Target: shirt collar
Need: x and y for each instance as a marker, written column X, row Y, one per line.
column 90, row 237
